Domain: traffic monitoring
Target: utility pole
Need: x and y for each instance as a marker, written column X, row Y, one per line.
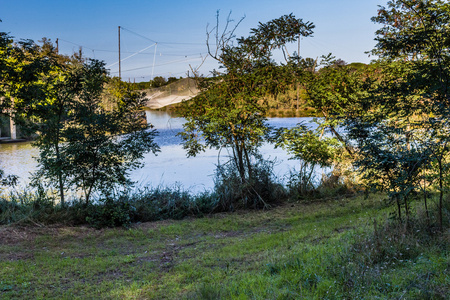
column 298, row 83
column 57, row 46
column 120, row 70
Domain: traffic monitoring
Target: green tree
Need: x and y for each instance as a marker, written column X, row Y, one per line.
column 102, row 145
column 20, row 65
column 159, row 81
column 41, row 104
column 88, row 139
column 409, row 109
column 229, row 113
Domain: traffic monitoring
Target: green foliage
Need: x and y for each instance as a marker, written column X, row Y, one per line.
column 312, row 149
column 158, row 81
column 228, row 113
column 7, row 180
column 168, row 203
column 413, row 29
column 104, row 145
column 86, row 142
column 27, row 207
column 260, row 190
column 109, row 212
column 403, row 127
column 307, row 145
column 335, row 91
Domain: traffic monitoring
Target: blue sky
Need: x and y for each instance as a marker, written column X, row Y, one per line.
column 343, row 27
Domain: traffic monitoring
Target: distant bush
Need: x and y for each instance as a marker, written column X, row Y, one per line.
column 302, row 186
column 109, row 211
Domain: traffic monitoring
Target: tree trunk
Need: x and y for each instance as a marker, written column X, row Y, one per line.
column 341, row 139
column 425, row 202
column 406, row 210
column 338, row 136
column 249, row 165
column 441, row 194
column 60, row 176
column 399, row 207
column 61, row 188
column 240, row 160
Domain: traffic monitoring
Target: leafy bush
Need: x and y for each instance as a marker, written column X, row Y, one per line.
column 109, row 212
column 301, row 186
column 168, row 203
column 26, row 207
column 260, row 190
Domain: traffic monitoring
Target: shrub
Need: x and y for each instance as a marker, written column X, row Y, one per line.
column 26, row 207
column 302, row 186
column 109, row 211
column 260, row 189
column 168, row 203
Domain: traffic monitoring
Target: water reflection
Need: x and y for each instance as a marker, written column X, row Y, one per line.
column 170, row 167
column 18, row 159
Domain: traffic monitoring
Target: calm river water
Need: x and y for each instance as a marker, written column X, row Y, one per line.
column 170, row 167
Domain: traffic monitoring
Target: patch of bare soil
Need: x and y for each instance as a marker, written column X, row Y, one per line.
column 16, row 235
column 13, row 235
column 153, row 225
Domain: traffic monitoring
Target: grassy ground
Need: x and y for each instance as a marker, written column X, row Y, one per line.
column 290, row 252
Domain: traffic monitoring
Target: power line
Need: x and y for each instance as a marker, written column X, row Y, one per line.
column 128, row 52
column 76, row 44
column 134, row 54
column 139, row 35
column 186, row 57
column 160, row 43
column 163, row 64
column 171, row 74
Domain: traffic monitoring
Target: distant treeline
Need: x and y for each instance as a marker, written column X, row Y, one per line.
column 158, row 81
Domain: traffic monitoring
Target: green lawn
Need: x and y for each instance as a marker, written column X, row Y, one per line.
column 290, row 252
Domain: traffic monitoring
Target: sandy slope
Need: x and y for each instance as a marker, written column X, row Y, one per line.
column 158, row 102
column 176, row 92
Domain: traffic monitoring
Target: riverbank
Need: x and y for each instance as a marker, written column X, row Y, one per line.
column 295, row 251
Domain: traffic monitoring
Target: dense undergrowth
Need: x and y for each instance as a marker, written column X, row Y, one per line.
column 260, row 191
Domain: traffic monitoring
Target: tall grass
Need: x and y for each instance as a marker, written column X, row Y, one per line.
column 261, row 190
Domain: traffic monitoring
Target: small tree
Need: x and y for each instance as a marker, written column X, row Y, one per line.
column 102, row 145
column 26, row 72
column 309, row 148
